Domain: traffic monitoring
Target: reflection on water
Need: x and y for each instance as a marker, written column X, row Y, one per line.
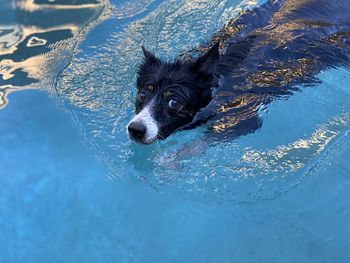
column 293, row 156
column 37, row 38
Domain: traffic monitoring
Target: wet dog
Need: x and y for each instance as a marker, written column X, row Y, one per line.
column 260, row 56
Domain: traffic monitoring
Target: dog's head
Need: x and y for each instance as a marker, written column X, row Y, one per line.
column 170, row 94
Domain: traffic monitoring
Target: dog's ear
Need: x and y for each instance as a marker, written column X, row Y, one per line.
column 149, row 57
column 208, row 62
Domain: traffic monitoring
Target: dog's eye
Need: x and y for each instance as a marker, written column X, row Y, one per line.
column 142, row 96
column 174, row 104
column 150, row 88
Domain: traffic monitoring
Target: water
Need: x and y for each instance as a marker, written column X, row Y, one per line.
column 75, row 189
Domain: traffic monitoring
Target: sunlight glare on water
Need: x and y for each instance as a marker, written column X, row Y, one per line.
column 38, row 38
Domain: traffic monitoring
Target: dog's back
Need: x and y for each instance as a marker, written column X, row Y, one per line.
column 324, row 11
column 301, row 38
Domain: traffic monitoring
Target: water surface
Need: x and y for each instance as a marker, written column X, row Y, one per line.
column 75, row 189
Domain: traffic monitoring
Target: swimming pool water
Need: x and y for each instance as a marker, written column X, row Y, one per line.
column 75, row 189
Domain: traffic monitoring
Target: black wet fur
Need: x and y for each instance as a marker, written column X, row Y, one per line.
column 262, row 55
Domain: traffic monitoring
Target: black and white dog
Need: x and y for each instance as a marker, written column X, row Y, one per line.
column 258, row 57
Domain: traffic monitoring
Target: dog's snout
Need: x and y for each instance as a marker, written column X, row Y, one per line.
column 137, row 130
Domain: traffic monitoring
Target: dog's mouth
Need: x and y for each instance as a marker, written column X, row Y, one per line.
column 143, row 140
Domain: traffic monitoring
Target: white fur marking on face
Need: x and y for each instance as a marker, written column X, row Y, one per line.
column 146, row 118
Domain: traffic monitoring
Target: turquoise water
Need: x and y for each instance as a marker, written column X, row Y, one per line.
column 75, row 189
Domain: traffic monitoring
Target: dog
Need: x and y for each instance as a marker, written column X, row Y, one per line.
column 262, row 55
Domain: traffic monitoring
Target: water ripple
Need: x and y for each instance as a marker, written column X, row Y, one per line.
column 97, row 89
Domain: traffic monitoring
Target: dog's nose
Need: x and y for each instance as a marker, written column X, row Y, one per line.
column 137, row 130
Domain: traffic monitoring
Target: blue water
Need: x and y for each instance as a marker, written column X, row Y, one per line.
column 75, row 189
